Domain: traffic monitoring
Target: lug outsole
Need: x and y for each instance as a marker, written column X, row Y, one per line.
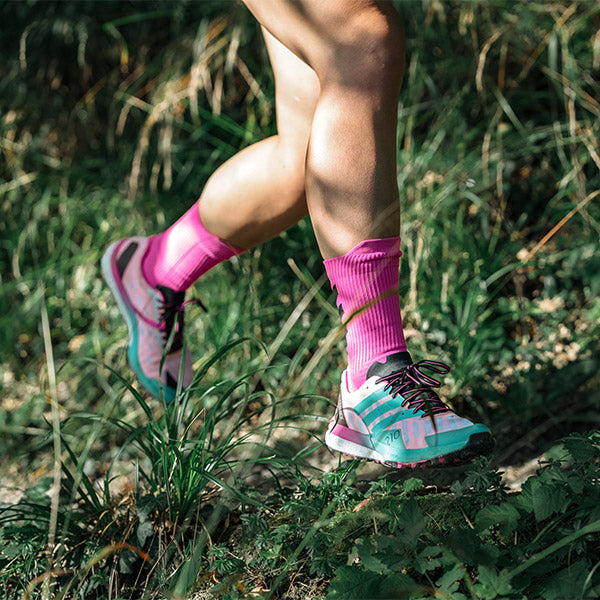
column 479, row 444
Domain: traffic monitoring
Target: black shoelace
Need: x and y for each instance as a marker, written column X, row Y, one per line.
column 172, row 316
column 415, row 386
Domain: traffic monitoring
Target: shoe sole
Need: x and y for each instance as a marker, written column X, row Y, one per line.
column 151, row 385
column 478, row 444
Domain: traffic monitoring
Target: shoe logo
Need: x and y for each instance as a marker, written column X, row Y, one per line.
column 391, row 364
column 393, row 436
column 125, row 257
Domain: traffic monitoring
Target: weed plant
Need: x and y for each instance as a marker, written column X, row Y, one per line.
column 112, row 117
column 187, row 471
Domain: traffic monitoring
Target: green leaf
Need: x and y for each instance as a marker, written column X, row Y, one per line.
column 127, row 561
column 144, row 531
column 367, row 555
column 576, row 483
column 379, row 555
column 466, row 545
column 412, row 484
column 545, row 498
column 593, row 527
column 429, row 559
column 504, row 516
column 352, row 583
column 493, row 584
column 409, row 523
column 145, row 505
column 450, row 581
column 11, row 551
column 582, row 447
column 457, row 488
column 567, row 584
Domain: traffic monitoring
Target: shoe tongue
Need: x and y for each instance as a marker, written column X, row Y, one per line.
column 392, row 364
column 172, row 302
column 171, row 296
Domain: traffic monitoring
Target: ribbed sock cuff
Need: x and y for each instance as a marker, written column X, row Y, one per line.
column 366, row 282
column 177, row 257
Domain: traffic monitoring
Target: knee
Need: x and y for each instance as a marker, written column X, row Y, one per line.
column 367, row 51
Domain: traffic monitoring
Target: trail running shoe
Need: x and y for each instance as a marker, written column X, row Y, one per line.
column 396, row 418
column 150, row 314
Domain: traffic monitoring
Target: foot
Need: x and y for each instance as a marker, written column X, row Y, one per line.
column 397, row 419
column 150, row 314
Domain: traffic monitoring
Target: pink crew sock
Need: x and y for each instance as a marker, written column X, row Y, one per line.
column 366, row 281
column 181, row 254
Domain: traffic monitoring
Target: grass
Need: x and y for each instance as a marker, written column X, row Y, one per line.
column 228, row 492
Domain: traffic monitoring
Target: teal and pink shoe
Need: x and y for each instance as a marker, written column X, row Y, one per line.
column 396, row 418
column 150, row 314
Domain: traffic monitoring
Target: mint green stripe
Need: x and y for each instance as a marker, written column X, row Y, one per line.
column 152, row 385
column 457, row 436
column 398, row 416
column 376, row 395
column 380, row 410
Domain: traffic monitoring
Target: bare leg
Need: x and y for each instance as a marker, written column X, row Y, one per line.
column 338, row 84
column 251, row 198
column 356, row 48
column 259, row 192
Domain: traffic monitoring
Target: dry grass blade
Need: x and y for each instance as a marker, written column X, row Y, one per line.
column 587, row 137
column 482, row 56
column 560, row 224
column 57, row 469
column 33, row 583
column 20, row 181
column 215, row 54
column 560, row 22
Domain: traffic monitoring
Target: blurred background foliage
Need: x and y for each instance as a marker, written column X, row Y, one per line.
column 114, row 114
